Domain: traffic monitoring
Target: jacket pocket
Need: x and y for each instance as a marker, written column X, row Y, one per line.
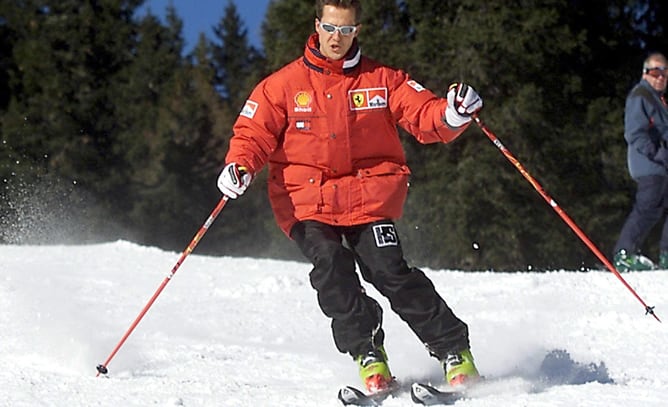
column 384, row 188
column 295, row 191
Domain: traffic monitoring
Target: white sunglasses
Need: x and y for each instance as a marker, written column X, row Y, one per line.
column 343, row 29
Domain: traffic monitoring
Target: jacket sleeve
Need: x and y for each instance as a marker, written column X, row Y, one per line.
column 258, row 128
column 418, row 111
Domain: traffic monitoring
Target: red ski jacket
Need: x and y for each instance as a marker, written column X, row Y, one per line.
column 328, row 131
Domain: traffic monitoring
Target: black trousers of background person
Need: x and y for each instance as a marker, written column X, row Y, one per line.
column 356, row 317
column 651, row 203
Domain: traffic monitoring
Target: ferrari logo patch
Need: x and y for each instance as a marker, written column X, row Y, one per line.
column 358, row 99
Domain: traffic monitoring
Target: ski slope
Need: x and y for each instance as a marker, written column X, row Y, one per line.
column 248, row 332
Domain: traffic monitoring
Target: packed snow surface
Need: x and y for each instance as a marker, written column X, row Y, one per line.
column 248, row 332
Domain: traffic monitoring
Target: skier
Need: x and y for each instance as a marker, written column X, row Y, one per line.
column 326, row 126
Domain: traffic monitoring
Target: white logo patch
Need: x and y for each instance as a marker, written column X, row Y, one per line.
column 249, row 109
column 303, row 125
column 385, row 235
column 364, row 99
column 415, row 85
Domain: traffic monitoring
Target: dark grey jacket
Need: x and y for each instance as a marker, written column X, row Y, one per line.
column 646, row 131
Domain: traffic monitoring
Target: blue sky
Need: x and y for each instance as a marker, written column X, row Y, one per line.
column 201, row 15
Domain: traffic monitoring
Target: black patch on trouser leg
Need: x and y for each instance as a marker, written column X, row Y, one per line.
column 356, row 317
column 411, row 294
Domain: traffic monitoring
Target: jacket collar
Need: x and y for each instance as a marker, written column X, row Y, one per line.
column 659, row 95
column 646, row 84
column 316, row 61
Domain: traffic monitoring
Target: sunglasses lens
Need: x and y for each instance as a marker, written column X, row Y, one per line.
column 344, row 29
column 657, row 72
column 328, row 27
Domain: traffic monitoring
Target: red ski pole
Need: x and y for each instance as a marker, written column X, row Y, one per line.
column 553, row 204
column 103, row 367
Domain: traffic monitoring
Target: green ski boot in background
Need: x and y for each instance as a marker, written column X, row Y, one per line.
column 632, row 262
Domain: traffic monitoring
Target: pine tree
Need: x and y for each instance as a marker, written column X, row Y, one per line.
column 101, row 110
column 504, row 58
column 287, row 25
column 143, row 140
column 195, row 124
column 239, row 67
column 385, row 33
column 58, row 122
column 7, row 39
column 238, row 63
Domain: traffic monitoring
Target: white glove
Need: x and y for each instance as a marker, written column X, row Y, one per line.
column 463, row 101
column 234, row 180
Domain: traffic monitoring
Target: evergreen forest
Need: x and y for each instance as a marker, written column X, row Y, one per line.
column 110, row 129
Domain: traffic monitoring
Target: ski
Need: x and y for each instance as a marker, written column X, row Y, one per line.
column 427, row 395
column 351, row 396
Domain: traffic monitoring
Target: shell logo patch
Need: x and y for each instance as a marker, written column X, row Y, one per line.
column 303, row 101
column 363, row 99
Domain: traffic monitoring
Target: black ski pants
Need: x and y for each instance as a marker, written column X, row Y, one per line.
column 356, row 317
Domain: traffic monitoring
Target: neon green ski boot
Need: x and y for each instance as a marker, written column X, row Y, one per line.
column 374, row 371
column 460, row 369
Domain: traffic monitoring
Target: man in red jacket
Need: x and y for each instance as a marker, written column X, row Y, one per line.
column 326, row 125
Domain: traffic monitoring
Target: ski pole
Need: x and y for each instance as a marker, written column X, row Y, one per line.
column 559, row 211
column 102, row 369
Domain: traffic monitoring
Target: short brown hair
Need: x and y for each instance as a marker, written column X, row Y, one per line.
column 354, row 4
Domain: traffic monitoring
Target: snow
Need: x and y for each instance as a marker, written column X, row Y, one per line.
column 248, row 332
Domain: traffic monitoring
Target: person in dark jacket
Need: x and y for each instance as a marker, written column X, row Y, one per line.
column 646, row 133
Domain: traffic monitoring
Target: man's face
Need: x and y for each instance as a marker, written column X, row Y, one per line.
column 657, row 74
column 335, row 45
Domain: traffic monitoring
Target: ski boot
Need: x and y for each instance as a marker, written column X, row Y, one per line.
column 663, row 260
column 459, row 368
column 374, row 371
column 632, row 262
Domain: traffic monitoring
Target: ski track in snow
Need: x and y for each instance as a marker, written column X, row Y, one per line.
column 248, row 332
